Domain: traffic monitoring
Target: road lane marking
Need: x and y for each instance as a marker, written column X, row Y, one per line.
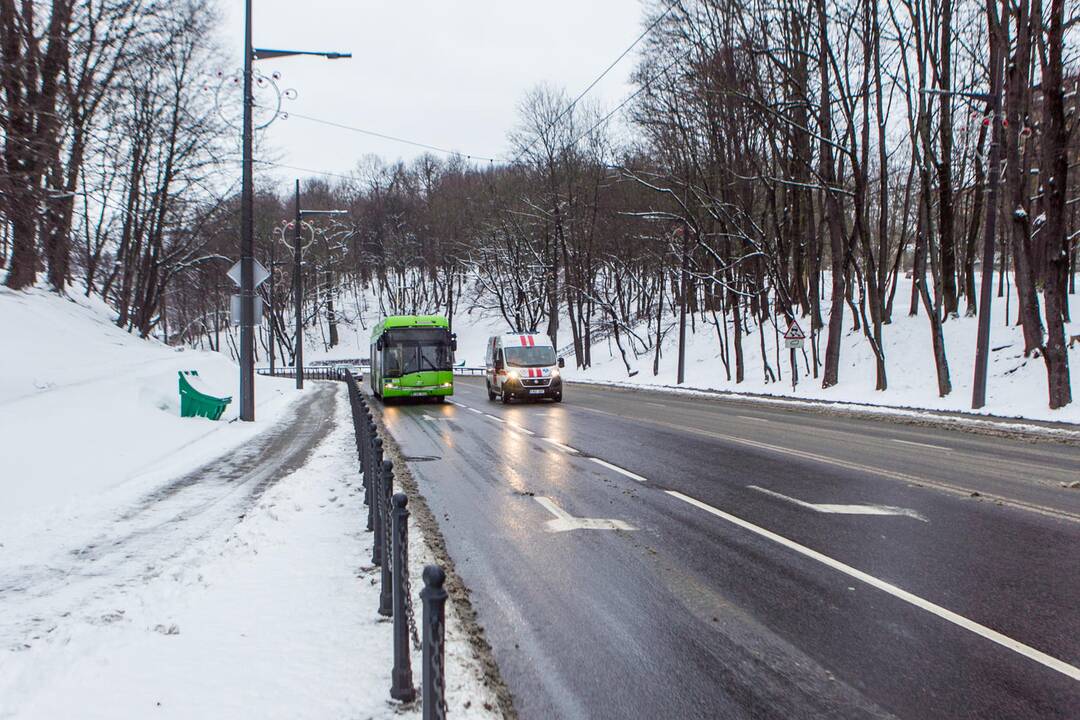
column 564, row 521
column 474, row 410
column 749, row 417
column 616, row 468
column 655, row 404
column 919, row 444
column 514, row 425
column 843, row 509
column 496, row 418
column 916, row 480
column 556, row 443
column 943, row 613
column 454, row 402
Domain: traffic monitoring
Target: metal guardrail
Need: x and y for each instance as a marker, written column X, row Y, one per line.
column 310, row 373
column 469, row 371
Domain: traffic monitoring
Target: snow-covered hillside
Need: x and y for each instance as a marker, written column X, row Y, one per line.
column 1016, row 385
column 90, row 414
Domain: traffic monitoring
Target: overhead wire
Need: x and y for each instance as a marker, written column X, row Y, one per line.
column 598, row 78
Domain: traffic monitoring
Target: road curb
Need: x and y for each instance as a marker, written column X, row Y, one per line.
column 459, row 592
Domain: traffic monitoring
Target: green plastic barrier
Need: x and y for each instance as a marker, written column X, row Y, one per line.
column 195, row 403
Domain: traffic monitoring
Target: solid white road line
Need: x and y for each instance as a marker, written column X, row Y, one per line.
column 959, row 620
column 616, row 468
column 496, row 418
column 564, row 521
column 919, row 444
column 472, row 409
column 843, row 509
column 750, row 417
column 556, row 443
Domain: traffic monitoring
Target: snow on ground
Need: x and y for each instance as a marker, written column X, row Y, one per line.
column 90, row 415
column 1016, row 386
column 278, row 620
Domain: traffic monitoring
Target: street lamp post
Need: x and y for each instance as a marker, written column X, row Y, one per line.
column 247, row 222
column 298, row 288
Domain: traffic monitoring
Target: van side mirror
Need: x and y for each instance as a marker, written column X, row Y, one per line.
column 562, row 362
column 497, row 363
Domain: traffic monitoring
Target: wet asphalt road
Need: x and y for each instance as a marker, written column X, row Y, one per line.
column 732, row 568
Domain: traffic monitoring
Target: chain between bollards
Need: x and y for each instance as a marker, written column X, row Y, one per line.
column 389, row 547
column 433, row 653
column 375, row 468
column 401, row 687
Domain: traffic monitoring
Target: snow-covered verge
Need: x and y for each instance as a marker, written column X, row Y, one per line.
column 1016, row 387
column 278, row 620
column 90, row 415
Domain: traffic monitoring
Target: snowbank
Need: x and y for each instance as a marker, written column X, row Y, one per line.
column 89, row 414
column 278, row 621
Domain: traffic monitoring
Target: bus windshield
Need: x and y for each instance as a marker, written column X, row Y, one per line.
column 416, row 350
column 538, row 356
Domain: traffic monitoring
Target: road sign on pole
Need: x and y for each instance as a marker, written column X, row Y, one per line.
column 794, row 332
column 260, row 274
column 236, row 309
column 793, row 340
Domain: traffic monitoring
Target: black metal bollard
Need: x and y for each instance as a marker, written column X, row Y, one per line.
column 434, row 674
column 374, row 464
column 387, row 605
column 401, row 686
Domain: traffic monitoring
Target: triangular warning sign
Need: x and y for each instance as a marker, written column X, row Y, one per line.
column 794, row 332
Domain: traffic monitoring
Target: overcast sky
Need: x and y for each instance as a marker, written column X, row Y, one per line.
column 447, row 73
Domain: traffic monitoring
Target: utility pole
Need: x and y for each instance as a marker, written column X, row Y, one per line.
column 247, row 217
column 982, row 346
column 298, row 279
column 272, row 266
column 683, row 281
column 298, row 296
column 247, row 242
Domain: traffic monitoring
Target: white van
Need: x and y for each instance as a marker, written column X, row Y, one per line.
column 522, row 366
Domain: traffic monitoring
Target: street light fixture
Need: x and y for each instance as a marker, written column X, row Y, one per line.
column 247, row 218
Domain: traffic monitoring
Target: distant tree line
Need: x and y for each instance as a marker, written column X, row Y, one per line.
column 779, row 160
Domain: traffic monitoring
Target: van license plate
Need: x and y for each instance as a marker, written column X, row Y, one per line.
column 536, row 392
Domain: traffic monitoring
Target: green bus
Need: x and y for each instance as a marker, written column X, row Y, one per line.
column 413, row 356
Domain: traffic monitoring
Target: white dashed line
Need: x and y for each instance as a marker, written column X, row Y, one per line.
column 496, row 418
column 919, row 444
column 943, row 613
column 518, row 427
column 454, row 402
column 474, row 410
column 750, row 417
column 616, row 468
column 564, row 448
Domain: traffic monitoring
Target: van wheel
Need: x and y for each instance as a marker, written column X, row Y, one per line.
column 491, row 393
column 558, row 398
column 506, row 397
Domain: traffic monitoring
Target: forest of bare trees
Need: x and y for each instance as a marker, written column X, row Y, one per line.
column 777, row 160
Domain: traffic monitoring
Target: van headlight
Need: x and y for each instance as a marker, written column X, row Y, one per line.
column 555, row 373
column 513, row 375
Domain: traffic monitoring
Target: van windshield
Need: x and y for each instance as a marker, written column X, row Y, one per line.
column 538, row 356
